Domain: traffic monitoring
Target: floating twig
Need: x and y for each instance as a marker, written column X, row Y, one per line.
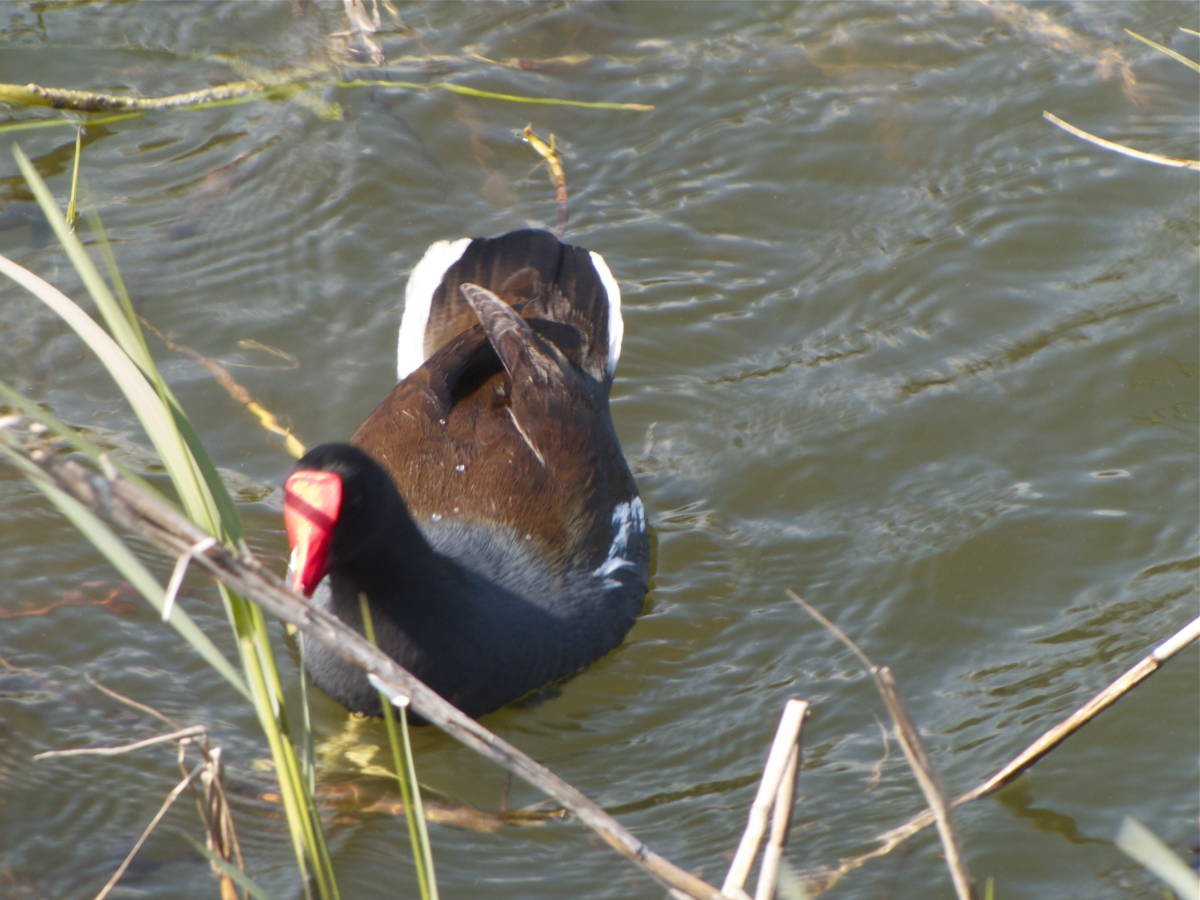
column 234, row 389
column 549, row 153
column 1192, row 164
column 288, row 84
column 96, row 101
column 183, row 734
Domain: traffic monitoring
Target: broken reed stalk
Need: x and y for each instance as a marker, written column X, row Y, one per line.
column 1050, row 739
column 783, row 749
column 219, row 834
column 158, row 816
column 922, row 767
column 1105, row 698
column 124, row 503
column 212, row 805
column 914, row 752
column 192, row 731
column 781, row 822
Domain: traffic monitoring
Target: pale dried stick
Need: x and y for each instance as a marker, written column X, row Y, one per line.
column 1050, row 739
column 192, row 731
column 785, row 740
column 914, row 752
column 162, row 811
column 1155, row 158
column 918, row 761
column 781, row 821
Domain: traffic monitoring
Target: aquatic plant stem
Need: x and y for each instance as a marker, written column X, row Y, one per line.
column 406, row 774
column 150, row 517
column 203, row 495
column 914, row 753
column 787, row 736
column 1155, row 158
column 1048, row 741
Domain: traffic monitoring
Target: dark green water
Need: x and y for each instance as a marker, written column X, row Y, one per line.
column 892, row 341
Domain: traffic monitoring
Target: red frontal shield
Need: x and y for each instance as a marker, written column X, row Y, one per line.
column 311, row 503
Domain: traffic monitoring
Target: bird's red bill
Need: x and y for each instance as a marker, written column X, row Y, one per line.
column 311, row 503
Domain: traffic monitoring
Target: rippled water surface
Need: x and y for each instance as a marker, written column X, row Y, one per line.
column 892, row 341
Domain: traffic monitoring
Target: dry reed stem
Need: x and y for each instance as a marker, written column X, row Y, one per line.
column 133, row 508
column 1105, row 698
column 782, row 748
column 129, row 701
column 919, row 762
column 914, row 752
column 781, row 821
column 183, row 734
column 1051, row 738
column 176, row 581
column 1157, row 159
column 158, row 816
column 235, row 390
column 213, row 806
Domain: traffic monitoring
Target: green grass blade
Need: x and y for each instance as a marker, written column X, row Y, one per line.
column 424, row 846
column 72, row 122
column 118, row 283
column 71, row 204
column 110, row 310
column 495, row 95
column 406, row 775
column 240, row 878
column 308, row 752
column 226, row 511
column 123, row 353
column 205, row 499
column 129, row 378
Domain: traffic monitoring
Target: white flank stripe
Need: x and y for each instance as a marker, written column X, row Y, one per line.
column 627, row 518
column 418, row 295
column 616, row 325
